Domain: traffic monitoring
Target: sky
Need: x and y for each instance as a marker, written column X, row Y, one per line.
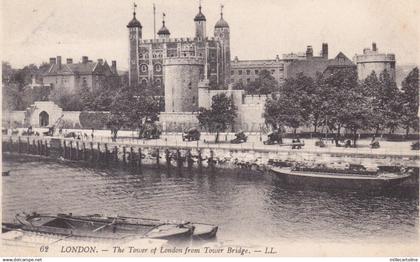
column 34, row 30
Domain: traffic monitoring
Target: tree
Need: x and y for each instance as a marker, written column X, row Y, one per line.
column 264, row 84
column 132, row 108
column 410, row 99
column 219, row 117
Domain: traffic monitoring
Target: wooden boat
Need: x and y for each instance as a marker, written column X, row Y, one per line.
column 201, row 230
column 339, row 178
column 101, row 227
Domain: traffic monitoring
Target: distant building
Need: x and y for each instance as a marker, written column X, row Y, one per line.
column 373, row 61
column 246, row 71
column 311, row 67
column 71, row 77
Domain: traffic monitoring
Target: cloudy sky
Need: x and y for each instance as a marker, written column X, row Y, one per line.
column 34, row 30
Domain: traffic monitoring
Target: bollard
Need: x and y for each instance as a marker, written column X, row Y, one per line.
column 11, row 145
column 41, row 148
column 47, row 150
column 34, row 146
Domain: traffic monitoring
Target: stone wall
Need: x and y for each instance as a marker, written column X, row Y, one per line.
column 177, row 121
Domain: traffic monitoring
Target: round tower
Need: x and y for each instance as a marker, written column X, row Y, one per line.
column 182, row 76
column 371, row 60
column 222, row 34
column 200, row 24
column 134, row 37
column 163, row 32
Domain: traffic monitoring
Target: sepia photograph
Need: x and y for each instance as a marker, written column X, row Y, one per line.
column 203, row 128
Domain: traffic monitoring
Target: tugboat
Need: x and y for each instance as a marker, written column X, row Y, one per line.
column 352, row 177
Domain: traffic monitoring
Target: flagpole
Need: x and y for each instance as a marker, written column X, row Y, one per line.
column 154, row 21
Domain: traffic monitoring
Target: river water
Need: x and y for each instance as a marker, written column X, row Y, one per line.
column 249, row 208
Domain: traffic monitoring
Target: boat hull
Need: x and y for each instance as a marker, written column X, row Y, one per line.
column 308, row 180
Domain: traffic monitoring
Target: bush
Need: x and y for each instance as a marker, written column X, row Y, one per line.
column 96, row 120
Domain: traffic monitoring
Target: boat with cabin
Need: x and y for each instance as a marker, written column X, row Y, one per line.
column 351, row 177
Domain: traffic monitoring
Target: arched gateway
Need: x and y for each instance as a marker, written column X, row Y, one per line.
column 44, row 119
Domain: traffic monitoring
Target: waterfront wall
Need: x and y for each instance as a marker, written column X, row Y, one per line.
column 189, row 155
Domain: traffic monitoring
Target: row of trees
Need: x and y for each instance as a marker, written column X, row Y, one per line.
column 338, row 100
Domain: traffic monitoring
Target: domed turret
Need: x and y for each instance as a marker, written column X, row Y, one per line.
column 221, row 23
column 134, row 22
column 199, row 16
column 163, row 32
column 200, row 24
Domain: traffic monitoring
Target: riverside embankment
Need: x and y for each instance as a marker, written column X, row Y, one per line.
column 170, row 151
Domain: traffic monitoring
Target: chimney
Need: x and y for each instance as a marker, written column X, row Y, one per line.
column 374, row 49
column 53, row 60
column 85, row 59
column 69, row 60
column 114, row 66
column 100, row 61
column 59, row 61
column 325, row 50
column 309, row 51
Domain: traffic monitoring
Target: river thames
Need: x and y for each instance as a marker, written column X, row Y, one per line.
column 249, row 208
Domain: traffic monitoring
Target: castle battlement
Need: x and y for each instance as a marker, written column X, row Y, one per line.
column 183, row 61
column 374, row 57
column 175, row 40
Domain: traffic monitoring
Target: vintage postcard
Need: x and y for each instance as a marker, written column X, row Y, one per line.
column 234, row 128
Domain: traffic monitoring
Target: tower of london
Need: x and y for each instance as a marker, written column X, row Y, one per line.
column 175, row 66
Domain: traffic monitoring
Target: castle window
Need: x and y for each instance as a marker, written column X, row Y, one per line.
column 146, row 56
column 256, row 72
column 248, row 72
column 248, row 80
column 158, row 68
column 193, row 100
column 240, row 72
column 160, row 55
column 190, row 85
column 143, row 68
column 232, row 72
column 272, row 71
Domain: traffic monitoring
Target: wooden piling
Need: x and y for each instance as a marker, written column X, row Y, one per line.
column 178, row 159
column 28, row 149
column 168, row 158
column 116, row 154
column 19, row 146
column 84, row 151
column 71, row 150
column 190, row 161
column 99, row 157
column 157, row 157
column 140, row 158
column 124, row 152
column 92, row 157
column 132, row 162
column 77, row 151
column 65, row 149
column 200, row 160
column 34, row 147
column 211, row 160
column 106, row 154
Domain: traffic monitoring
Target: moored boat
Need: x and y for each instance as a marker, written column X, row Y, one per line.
column 339, row 178
column 101, row 227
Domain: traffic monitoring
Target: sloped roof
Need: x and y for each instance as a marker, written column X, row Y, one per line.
column 80, row 69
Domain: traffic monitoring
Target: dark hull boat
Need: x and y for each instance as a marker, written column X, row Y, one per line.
column 100, row 227
column 339, row 179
